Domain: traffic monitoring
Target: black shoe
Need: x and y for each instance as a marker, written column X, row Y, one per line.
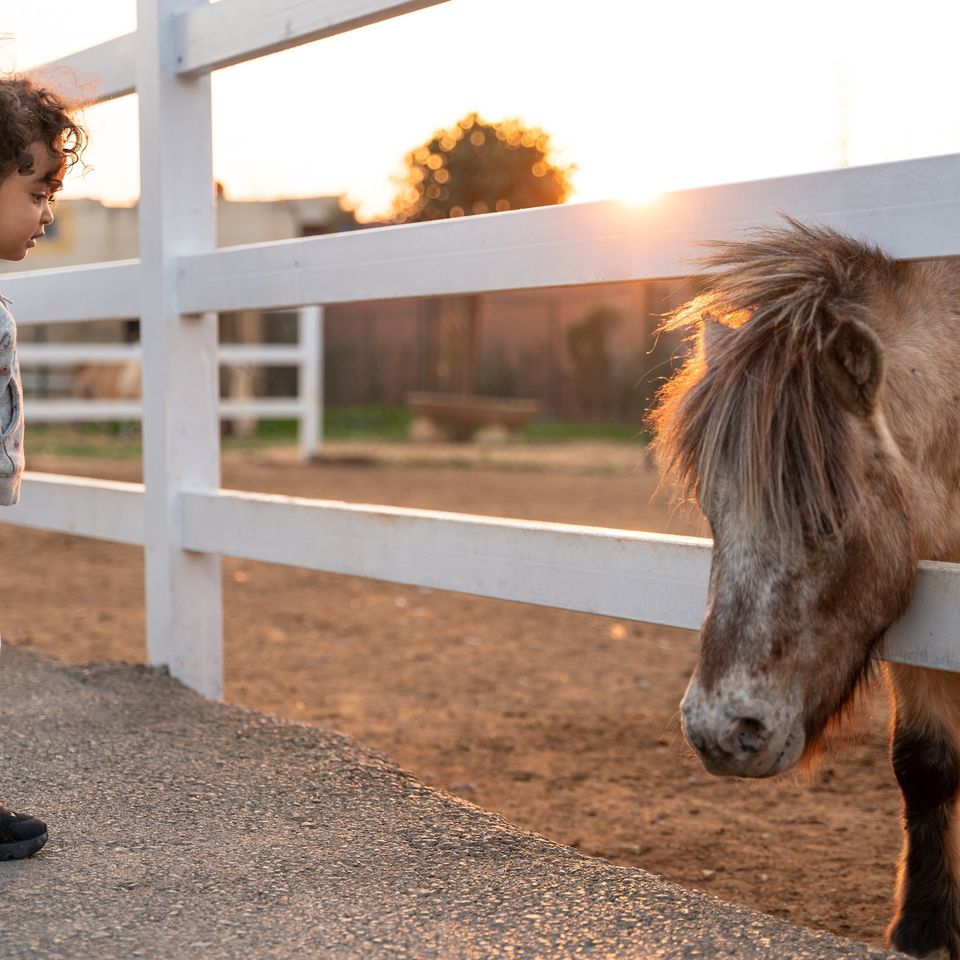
column 20, row 835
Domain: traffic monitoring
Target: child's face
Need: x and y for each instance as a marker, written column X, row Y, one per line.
column 25, row 200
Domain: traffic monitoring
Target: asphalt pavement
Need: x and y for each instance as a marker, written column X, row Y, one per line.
column 185, row 828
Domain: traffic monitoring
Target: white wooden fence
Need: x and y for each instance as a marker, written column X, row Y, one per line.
column 306, row 355
column 186, row 521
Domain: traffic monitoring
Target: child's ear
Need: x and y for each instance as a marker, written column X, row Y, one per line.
column 853, row 366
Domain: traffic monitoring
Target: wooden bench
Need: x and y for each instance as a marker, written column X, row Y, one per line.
column 461, row 418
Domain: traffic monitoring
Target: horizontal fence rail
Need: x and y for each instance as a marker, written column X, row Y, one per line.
column 627, row 574
column 593, row 569
column 103, row 72
column 648, row 577
column 219, row 35
column 99, row 411
column 102, row 509
column 96, row 291
column 229, row 354
column 74, row 354
column 222, row 34
column 911, row 209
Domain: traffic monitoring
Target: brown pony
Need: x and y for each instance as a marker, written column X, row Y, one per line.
column 816, row 423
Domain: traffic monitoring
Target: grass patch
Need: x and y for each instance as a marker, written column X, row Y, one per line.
column 380, row 424
column 119, row 440
column 370, row 424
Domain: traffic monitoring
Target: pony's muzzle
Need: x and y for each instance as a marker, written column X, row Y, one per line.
column 739, row 739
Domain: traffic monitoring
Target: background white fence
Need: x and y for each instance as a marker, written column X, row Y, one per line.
column 186, row 521
column 306, row 355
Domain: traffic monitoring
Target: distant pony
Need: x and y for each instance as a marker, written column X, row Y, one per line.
column 107, row 381
column 817, row 424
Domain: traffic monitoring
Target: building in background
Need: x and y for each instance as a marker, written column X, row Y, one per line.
column 87, row 231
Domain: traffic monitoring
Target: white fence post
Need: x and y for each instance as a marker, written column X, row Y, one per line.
column 180, row 373
column 310, row 380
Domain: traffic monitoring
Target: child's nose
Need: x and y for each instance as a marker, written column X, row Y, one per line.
column 47, row 216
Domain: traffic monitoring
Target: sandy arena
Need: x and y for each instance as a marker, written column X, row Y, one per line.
column 565, row 723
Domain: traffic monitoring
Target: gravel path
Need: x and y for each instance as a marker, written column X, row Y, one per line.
column 185, row 828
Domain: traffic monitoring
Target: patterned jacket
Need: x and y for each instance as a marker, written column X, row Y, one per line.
column 11, row 410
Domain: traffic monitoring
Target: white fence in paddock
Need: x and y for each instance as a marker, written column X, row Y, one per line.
column 186, row 521
column 306, row 355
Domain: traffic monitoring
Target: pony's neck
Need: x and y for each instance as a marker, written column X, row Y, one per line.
column 919, row 323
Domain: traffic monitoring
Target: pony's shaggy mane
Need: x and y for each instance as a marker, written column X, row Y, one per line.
column 752, row 408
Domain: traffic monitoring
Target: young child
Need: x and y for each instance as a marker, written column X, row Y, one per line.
column 39, row 141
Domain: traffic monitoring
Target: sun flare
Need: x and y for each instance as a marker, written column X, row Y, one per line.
column 638, row 194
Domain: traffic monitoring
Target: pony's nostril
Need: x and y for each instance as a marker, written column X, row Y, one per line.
column 748, row 735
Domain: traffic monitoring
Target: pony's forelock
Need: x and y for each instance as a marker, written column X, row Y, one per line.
column 752, row 412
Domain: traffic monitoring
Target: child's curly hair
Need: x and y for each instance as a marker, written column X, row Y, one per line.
column 29, row 114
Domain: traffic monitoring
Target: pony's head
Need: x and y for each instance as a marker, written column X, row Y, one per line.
column 776, row 426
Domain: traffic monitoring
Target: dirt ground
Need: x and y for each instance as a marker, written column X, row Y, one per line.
column 565, row 723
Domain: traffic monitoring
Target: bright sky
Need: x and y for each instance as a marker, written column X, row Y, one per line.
column 641, row 96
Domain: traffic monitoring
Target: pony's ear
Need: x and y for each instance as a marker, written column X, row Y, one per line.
column 715, row 335
column 853, row 366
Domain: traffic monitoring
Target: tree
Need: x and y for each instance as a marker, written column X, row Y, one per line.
column 474, row 167
column 480, row 167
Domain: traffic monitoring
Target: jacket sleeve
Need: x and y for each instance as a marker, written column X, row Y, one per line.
column 11, row 411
